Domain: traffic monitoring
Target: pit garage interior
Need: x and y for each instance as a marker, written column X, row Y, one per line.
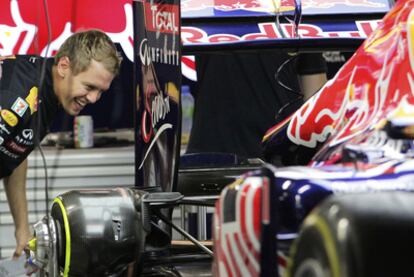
column 147, row 158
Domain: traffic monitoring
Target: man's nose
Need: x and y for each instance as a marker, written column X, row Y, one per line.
column 93, row 96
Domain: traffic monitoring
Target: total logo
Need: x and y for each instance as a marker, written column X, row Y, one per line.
column 26, row 137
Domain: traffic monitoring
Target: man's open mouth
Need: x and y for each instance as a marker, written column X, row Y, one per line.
column 80, row 103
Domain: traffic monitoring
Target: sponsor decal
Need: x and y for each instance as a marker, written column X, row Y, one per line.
column 31, row 99
column 20, row 106
column 26, row 137
column 28, row 134
column 149, row 54
column 157, row 110
column 15, row 147
column 8, row 153
column 334, row 57
column 21, row 140
column 4, row 129
column 9, row 117
column 163, row 18
column 269, row 30
column 160, row 107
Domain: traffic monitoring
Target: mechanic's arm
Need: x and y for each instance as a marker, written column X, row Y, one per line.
column 311, row 83
column 312, row 70
column 15, row 187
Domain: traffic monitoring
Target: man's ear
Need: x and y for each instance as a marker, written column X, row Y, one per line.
column 63, row 66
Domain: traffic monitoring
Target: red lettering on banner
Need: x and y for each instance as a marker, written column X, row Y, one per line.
column 306, row 30
column 193, row 35
column 223, row 38
column 162, row 18
column 267, row 30
column 367, row 27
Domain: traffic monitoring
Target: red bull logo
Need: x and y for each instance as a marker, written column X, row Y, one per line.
column 268, row 30
column 376, row 81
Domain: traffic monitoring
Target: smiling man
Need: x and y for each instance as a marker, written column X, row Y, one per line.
column 81, row 71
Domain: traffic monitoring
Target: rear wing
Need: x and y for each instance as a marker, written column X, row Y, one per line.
column 220, row 25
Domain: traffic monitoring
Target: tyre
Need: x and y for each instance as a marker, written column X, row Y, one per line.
column 360, row 235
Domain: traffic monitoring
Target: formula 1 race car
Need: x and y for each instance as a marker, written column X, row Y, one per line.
column 351, row 201
column 344, row 211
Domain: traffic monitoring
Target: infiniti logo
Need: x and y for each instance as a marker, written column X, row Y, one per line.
column 144, row 52
column 28, row 134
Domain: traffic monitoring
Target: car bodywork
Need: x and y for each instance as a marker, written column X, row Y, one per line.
column 354, row 136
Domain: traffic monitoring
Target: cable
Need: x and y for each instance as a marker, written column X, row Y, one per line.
column 37, row 138
column 299, row 96
column 297, row 18
column 295, row 22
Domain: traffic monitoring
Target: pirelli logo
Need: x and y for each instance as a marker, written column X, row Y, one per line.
column 20, row 106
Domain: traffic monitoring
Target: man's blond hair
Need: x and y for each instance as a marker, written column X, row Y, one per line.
column 82, row 47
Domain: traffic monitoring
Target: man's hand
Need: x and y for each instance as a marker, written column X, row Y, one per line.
column 23, row 235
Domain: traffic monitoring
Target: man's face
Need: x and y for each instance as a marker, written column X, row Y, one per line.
column 76, row 91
